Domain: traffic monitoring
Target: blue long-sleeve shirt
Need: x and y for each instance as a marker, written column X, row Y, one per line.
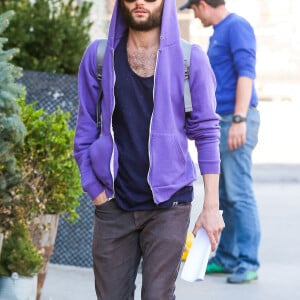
column 232, row 54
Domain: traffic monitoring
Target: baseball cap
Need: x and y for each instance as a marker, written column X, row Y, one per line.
column 188, row 4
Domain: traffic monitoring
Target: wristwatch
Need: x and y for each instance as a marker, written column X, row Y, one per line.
column 238, row 119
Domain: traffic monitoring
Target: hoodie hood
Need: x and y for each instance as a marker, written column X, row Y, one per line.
column 170, row 32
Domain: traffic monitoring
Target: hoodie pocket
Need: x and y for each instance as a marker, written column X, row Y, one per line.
column 167, row 160
column 100, row 155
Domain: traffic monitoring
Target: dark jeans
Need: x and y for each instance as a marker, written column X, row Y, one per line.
column 121, row 238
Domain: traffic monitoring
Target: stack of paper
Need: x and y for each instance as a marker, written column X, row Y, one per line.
column 197, row 259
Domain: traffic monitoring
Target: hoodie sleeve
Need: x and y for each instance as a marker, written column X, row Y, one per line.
column 86, row 130
column 202, row 124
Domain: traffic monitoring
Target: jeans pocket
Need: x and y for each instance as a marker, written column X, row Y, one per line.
column 105, row 209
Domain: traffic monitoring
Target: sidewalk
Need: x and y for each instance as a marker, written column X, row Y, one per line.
column 278, row 191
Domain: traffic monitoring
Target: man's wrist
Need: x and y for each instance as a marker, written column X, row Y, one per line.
column 238, row 119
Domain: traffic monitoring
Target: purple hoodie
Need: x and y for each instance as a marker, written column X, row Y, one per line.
column 171, row 167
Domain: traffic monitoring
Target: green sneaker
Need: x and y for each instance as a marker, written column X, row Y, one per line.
column 242, row 275
column 213, row 267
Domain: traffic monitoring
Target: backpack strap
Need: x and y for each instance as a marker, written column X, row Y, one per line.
column 100, row 55
column 186, row 50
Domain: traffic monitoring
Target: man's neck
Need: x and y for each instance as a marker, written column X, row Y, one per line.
column 142, row 51
column 220, row 14
column 143, row 39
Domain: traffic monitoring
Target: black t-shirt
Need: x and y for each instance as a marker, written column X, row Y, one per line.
column 131, row 126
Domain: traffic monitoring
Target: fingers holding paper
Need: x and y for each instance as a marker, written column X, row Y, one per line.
column 212, row 222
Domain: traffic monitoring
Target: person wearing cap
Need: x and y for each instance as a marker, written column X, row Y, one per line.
column 232, row 54
column 136, row 166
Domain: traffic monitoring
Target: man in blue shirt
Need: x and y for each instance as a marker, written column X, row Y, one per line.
column 232, row 54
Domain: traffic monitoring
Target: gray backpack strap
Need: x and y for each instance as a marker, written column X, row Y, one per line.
column 186, row 50
column 100, row 55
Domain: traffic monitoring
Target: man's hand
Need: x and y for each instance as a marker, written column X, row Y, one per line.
column 100, row 199
column 213, row 223
column 237, row 135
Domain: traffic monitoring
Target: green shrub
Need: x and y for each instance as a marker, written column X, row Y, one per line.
column 19, row 254
column 51, row 34
column 51, row 180
column 12, row 129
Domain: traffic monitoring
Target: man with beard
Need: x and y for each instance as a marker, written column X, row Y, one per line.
column 136, row 168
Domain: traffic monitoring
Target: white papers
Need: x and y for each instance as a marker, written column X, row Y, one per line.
column 196, row 262
column 195, row 265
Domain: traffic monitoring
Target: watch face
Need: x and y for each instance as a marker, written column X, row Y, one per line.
column 238, row 119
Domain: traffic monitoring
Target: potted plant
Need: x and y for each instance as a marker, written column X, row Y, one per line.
column 20, row 262
column 50, row 185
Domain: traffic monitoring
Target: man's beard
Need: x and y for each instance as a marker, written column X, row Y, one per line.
column 153, row 21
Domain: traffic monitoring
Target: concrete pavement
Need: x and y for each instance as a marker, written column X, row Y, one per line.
column 277, row 188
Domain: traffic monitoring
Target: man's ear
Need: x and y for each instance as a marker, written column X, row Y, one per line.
column 197, row 6
column 202, row 3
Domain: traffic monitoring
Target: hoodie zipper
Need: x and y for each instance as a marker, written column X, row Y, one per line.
column 151, row 119
column 111, row 163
